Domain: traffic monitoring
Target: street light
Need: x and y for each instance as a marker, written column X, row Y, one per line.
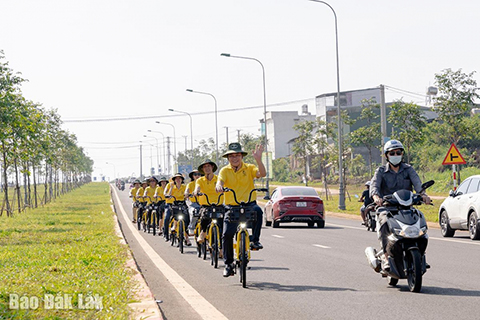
column 164, row 153
column 216, row 122
column 114, row 171
column 228, row 55
column 174, row 139
column 341, row 200
column 191, row 132
column 158, row 163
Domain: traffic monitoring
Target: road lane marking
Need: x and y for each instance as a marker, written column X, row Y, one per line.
column 204, row 308
column 277, row 236
column 320, row 246
column 434, row 238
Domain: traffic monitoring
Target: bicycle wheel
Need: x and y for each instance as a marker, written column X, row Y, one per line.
column 199, row 245
column 180, row 235
column 172, row 233
column 139, row 220
column 149, row 220
column 215, row 246
column 243, row 260
column 154, row 220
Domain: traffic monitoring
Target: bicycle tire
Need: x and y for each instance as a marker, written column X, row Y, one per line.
column 215, row 247
column 139, row 221
column 243, row 260
column 149, row 220
column 154, row 224
column 180, row 235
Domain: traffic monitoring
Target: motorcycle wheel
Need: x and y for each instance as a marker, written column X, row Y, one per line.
column 373, row 224
column 414, row 276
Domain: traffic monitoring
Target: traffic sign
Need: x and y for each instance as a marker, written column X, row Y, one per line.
column 453, row 156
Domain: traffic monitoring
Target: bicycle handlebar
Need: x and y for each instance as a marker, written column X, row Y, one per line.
column 206, row 197
column 249, row 196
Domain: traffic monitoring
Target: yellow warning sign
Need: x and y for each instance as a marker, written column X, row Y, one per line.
column 453, row 156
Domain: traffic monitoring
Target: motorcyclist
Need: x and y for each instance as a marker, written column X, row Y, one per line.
column 393, row 176
column 365, row 198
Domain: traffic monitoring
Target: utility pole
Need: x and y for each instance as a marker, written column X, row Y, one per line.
column 168, row 155
column 383, row 117
column 141, row 172
column 238, row 135
column 185, row 145
column 226, row 129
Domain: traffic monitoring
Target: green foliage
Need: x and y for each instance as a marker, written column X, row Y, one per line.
column 67, row 247
column 281, row 170
column 409, row 121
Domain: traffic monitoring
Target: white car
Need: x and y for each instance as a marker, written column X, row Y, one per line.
column 461, row 210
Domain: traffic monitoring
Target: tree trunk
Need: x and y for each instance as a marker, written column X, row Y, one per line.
column 34, row 187
column 17, row 186
column 5, row 177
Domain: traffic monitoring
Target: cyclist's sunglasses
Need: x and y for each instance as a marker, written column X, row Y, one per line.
column 197, row 174
column 398, row 153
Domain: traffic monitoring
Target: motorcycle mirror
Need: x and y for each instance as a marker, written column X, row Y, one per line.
column 451, row 193
column 428, row 184
column 266, row 198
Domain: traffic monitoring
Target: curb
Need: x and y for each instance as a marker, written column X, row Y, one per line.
column 146, row 307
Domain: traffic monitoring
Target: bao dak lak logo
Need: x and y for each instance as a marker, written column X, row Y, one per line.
column 56, row 302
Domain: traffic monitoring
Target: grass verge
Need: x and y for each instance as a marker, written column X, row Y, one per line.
column 66, row 256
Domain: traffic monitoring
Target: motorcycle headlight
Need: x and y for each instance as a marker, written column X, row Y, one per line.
column 411, row 232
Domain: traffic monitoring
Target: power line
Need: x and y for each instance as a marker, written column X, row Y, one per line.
column 128, row 118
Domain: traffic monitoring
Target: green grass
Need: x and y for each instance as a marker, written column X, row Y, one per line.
column 67, row 247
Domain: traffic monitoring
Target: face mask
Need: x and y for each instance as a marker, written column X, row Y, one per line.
column 395, row 160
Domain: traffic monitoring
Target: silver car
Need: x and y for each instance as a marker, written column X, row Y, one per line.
column 461, row 210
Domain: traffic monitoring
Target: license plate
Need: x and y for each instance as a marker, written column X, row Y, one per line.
column 301, row 204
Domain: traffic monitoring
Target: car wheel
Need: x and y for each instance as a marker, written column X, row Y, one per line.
column 276, row 224
column 321, row 224
column 267, row 223
column 445, row 226
column 473, row 227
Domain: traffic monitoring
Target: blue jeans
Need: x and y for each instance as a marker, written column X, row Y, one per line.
column 230, row 228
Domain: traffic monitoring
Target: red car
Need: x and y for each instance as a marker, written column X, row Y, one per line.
column 294, row 204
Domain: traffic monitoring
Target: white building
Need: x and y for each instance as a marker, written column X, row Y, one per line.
column 280, row 129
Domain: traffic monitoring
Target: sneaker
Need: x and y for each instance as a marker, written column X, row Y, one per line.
column 134, row 221
column 228, row 271
column 187, row 242
column 220, row 254
column 256, row 245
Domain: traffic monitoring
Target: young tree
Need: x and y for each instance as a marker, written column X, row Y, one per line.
column 303, row 146
column 408, row 120
column 368, row 135
column 456, row 96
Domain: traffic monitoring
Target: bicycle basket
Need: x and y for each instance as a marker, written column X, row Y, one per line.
column 240, row 214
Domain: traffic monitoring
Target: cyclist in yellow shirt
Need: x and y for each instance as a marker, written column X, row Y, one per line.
column 141, row 200
column 149, row 193
column 239, row 176
column 193, row 206
column 133, row 195
column 160, row 196
column 206, row 185
column 176, row 188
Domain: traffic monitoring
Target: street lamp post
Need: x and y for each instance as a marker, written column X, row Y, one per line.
column 174, row 139
column 164, row 153
column 341, row 200
column 158, row 163
column 228, row 55
column 191, row 132
column 216, row 121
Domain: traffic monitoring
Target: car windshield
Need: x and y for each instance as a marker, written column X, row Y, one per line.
column 299, row 192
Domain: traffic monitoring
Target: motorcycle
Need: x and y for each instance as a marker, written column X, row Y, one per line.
column 370, row 217
column 407, row 240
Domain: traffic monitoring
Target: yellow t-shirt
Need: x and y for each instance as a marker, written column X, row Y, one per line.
column 133, row 193
column 140, row 193
column 159, row 193
column 190, row 188
column 241, row 182
column 149, row 193
column 207, row 187
column 179, row 194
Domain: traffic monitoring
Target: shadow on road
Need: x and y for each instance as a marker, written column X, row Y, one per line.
column 454, row 292
column 268, row 268
column 291, row 288
column 305, row 227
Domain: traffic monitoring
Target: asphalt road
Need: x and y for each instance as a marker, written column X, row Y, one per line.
column 310, row 273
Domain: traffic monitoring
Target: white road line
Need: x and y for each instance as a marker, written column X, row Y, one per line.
column 204, row 308
column 320, row 246
column 433, row 238
column 277, row 236
column 457, row 241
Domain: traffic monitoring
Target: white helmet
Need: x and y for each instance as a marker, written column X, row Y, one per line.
column 392, row 145
column 368, row 183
